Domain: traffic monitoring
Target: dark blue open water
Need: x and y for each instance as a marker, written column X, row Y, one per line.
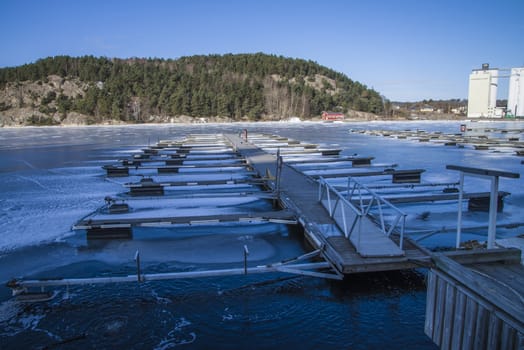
column 51, row 177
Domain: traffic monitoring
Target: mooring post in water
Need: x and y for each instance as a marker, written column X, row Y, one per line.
column 246, row 253
column 277, row 178
column 459, row 212
column 137, row 259
column 279, row 170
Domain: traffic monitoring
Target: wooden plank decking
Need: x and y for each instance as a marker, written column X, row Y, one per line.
column 299, row 193
column 476, row 305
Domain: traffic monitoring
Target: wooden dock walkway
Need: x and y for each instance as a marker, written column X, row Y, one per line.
column 299, row 193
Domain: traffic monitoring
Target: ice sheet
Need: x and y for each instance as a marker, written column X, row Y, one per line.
column 50, row 177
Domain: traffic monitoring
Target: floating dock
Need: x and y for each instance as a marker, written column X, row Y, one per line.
column 477, row 138
column 300, row 193
column 341, row 228
column 111, row 224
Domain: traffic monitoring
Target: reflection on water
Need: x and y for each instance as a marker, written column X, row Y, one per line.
column 52, row 177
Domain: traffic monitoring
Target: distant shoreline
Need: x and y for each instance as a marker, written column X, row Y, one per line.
column 359, row 121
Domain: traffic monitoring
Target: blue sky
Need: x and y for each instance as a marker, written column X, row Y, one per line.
column 407, row 49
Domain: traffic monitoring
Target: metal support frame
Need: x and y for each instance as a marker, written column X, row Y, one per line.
column 20, row 287
column 487, row 174
column 459, row 212
column 493, row 207
column 278, row 172
column 360, row 207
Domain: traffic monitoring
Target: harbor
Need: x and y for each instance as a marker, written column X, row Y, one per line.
column 338, row 228
column 182, row 175
column 477, row 137
column 345, row 235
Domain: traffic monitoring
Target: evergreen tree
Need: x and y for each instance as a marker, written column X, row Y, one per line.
column 236, row 86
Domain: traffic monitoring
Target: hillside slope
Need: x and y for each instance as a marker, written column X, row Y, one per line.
column 252, row 87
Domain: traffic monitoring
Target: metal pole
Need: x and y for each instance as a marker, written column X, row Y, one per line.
column 347, row 189
column 279, row 170
column 137, row 259
column 459, row 214
column 493, row 202
column 320, row 187
column 402, row 231
column 359, row 215
column 277, row 178
column 246, row 253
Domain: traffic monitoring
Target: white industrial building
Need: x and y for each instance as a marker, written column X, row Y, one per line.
column 482, row 96
column 516, row 93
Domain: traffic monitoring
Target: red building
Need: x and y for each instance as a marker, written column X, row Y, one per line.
column 331, row 116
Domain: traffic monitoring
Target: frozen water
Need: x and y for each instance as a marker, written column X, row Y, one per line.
column 38, row 206
column 51, row 178
column 46, row 186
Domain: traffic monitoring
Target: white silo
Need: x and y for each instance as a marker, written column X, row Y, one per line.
column 482, row 96
column 516, row 92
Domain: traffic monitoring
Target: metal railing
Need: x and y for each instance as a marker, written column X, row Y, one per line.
column 349, row 207
column 345, row 214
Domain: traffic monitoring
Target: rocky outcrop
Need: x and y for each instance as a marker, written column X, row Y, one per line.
column 65, row 90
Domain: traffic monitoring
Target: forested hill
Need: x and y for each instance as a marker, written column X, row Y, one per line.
column 89, row 90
